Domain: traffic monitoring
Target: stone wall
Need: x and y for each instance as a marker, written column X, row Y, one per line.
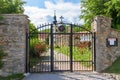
column 105, row 55
column 13, row 40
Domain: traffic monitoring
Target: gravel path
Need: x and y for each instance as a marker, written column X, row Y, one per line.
column 69, row 76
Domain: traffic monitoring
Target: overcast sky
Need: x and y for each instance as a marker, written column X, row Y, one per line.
column 42, row 11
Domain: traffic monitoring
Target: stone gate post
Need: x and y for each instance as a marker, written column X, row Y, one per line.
column 106, row 37
column 13, row 40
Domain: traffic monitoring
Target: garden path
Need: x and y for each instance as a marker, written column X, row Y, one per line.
column 61, row 62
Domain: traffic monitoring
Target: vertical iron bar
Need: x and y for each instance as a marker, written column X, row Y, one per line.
column 27, row 57
column 94, row 50
column 51, row 46
column 29, row 53
column 71, row 49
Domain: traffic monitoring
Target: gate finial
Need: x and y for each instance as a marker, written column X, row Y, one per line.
column 55, row 20
column 61, row 17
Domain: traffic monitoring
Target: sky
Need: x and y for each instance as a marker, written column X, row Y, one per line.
column 42, row 11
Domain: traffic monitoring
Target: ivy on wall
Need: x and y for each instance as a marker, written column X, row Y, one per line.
column 1, row 18
column 2, row 54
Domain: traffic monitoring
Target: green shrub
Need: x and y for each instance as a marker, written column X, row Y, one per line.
column 36, row 46
column 33, row 61
column 32, row 42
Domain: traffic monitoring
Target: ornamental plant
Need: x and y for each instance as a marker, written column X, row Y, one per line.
column 40, row 48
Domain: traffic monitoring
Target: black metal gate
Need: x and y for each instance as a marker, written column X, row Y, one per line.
column 61, row 47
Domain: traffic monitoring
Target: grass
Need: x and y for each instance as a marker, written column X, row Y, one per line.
column 78, row 54
column 114, row 68
column 13, row 77
column 82, row 54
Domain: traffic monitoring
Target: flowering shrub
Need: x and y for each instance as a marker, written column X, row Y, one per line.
column 85, row 44
column 40, row 48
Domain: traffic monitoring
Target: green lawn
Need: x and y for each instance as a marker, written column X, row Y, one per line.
column 115, row 68
column 78, row 54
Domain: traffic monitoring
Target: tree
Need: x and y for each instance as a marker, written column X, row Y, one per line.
column 92, row 8
column 33, row 30
column 11, row 6
column 113, row 10
column 31, row 27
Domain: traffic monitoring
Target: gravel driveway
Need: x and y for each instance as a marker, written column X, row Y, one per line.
column 69, row 76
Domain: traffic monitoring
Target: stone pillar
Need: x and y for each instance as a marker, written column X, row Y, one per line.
column 13, row 40
column 102, row 27
column 105, row 55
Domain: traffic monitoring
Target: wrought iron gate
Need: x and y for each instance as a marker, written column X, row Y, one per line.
column 61, row 47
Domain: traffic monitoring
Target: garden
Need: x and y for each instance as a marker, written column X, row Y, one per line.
column 79, row 54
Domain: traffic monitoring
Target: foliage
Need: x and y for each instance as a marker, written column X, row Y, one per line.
column 115, row 67
column 40, row 48
column 32, row 28
column 1, row 17
column 33, row 61
column 77, row 29
column 2, row 54
column 33, row 31
column 33, row 55
column 113, row 10
column 11, row 6
column 82, row 54
column 80, row 28
column 13, row 77
column 32, row 43
column 92, row 8
column 37, row 47
column 47, row 40
column 45, row 30
column 79, row 54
